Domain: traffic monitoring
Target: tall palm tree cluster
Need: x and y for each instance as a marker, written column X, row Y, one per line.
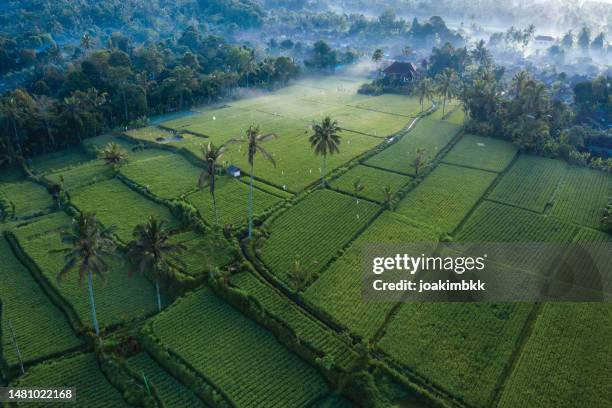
column 121, row 84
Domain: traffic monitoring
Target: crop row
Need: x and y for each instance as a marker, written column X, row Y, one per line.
column 339, row 289
column 39, row 327
column 482, row 153
column 583, row 195
column 530, row 183
column 429, row 134
column 236, row 354
column 462, row 347
column 80, row 372
column 171, row 392
column 118, row 297
column 372, row 180
column 313, row 230
column 26, row 197
column 446, row 196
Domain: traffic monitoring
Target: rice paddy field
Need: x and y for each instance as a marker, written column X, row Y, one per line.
column 234, row 329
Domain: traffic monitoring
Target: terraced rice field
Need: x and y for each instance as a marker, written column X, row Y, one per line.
column 236, row 354
column 171, row 392
column 116, row 205
column 81, row 372
column 309, row 329
column 482, row 153
column 28, row 198
column 313, row 231
column 457, row 345
column 166, row 175
column 583, row 194
column 232, row 202
column 58, row 160
column 566, row 360
column 118, row 297
column 373, row 181
column 81, row 175
column 40, row 328
column 339, row 289
column 393, row 104
column 203, row 253
column 530, row 183
column 429, row 134
column 446, row 196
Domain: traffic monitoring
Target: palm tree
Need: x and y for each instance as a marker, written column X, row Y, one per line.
column 43, row 110
column 519, row 81
column 424, row 90
column 211, row 154
column 377, row 56
column 357, row 188
column 254, row 144
column 90, row 245
column 447, row 86
column 114, row 155
column 151, row 251
column 419, row 162
column 387, row 193
column 87, row 42
column 13, row 113
column 325, row 140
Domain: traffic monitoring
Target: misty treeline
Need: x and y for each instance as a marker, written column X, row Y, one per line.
column 119, row 85
column 527, row 112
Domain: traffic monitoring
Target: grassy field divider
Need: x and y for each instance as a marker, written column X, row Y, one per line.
column 183, row 371
column 119, row 377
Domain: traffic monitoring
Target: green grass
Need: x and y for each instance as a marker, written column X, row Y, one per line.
column 482, row 152
column 167, row 176
column 118, row 297
column 81, row 175
column 583, row 195
column 307, row 328
column 40, row 328
column 429, row 134
column 530, row 183
column 339, row 289
column 492, row 222
column 204, row 252
column 172, row 393
column 457, row 116
column 117, row 205
column 373, row 180
column 232, row 201
column 236, row 354
column 462, row 348
column 313, row 231
column 58, row 160
column 445, row 196
column 566, row 361
column 81, row 372
column 95, row 143
column 393, row 104
column 28, row 197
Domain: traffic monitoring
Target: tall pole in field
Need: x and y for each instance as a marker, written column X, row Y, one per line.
column 10, row 324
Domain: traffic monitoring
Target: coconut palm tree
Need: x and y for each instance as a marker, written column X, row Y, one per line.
column 90, row 246
column 377, row 56
column 447, row 86
column 211, row 155
column 325, row 140
column 152, row 252
column 387, row 193
column 424, row 90
column 419, row 162
column 114, row 155
column 357, row 188
column 254, row 140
